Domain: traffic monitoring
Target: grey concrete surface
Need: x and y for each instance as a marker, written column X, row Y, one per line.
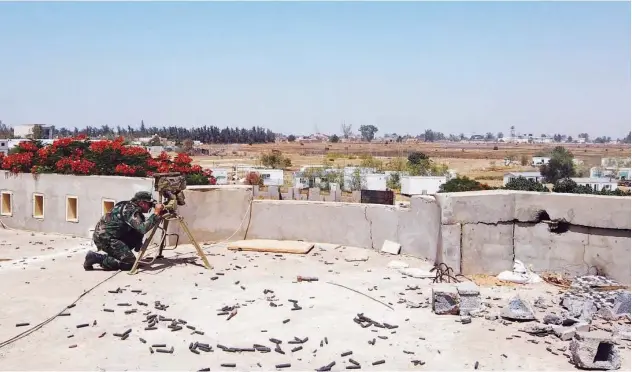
column 486, row 249
column 34, row 291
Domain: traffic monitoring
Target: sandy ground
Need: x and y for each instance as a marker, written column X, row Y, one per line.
column 44, row 275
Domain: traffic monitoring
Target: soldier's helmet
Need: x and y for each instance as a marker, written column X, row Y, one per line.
column 142, row 196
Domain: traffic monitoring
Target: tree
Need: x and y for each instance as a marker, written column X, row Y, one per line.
column 357, row 182
column 417, row 157
column 489, row 136
column 368, row 132
column 291, row 138
column 37, row 132
column 346, row 129
column 275, row 160
column 524, row 184
column 393, row 181
column 569, row 139
column 524, row 160
column 626, row 139
column 500, row 135
column 560, row 166
column 585, row 136
column 334, row 139
column 187, row 146
column 463, row 183
column 557, row 137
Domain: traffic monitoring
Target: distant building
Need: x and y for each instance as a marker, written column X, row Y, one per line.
column 597, row 184
column 4, row 146
column 534, row 176
column 421, row 185
column 26, row 131
column 536, row 161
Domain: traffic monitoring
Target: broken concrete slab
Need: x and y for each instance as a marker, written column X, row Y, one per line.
column 357, row 257
column 518, row 309
column 469, row 298
column 445, row 299
column 552, row 319
column 594, row 350
column 579, row 308
column 391, row 247
column 621, row 332
column 622, row 304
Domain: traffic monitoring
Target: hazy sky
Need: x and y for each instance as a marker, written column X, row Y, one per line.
column 296, row 67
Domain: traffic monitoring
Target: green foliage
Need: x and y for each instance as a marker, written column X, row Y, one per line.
column 291, row 138
column 368, row 132
column 568, row 186
column 371, row 162
column 396, row 164
column 334, row 139
column 275, row 160
column 417, row 157
column 524, row 160
column 524, row 184
column 463, row 183
column 357, row 181
column 393, row 181
column 196, row 179
column 560, row 166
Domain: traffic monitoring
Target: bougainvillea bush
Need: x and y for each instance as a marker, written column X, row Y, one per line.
column 79, row 156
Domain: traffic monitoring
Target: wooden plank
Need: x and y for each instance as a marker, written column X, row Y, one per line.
column 275, row 246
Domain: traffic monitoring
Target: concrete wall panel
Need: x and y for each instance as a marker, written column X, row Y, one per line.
column 609, row 212
column 543, row 250
column 609, row 251
column 214, row 213
column 486, row 249
column 418, row 229
column 476, row 207
column 450, row 246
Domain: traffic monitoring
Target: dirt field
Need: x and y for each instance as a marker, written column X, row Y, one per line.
column 475, row 160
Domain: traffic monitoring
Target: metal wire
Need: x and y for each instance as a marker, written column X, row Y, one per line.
column 445, row 274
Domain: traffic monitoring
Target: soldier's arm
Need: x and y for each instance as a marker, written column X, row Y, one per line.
column 135, row 219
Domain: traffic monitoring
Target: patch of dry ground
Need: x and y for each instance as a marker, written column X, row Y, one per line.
column 45, row 276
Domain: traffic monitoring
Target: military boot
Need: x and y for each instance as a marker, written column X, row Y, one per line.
column 91, row 259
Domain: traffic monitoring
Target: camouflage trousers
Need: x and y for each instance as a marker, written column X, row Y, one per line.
column 119, row 255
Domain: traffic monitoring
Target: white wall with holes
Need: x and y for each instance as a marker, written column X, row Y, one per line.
column 61, row 203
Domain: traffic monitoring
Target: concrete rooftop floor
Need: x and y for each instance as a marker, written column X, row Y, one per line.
column 44, row 274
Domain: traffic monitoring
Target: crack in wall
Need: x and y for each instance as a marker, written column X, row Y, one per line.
column 461, row 250
column 366, row 217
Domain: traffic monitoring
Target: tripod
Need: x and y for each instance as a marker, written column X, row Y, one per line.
column 173, row 216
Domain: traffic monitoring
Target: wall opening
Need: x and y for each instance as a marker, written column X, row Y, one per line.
column 38, row 205
column 108, row 205
column 604, row 352
column 6, row 203
column 72, row 209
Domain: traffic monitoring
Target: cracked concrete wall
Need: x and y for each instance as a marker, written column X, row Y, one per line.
column 500, row 225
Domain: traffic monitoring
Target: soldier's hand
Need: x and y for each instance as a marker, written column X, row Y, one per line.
column 158, row 208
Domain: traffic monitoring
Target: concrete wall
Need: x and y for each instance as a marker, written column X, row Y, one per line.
column 472, row 232
column 90, row 192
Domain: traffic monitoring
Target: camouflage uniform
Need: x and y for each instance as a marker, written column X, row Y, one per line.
column 121, row 230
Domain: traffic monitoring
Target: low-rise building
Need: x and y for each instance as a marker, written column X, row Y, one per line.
column 26, row 131
column 597, row 184
column 536, row 161
column 421, row 185
column 534, row 176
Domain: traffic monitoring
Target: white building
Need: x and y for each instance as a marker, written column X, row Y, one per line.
column 421, row 185
column 610, row 172
column 597, row 184
column 534, row 176
column 4, row 146
column 221, row 175
column 155, row 150
column 26, row 131
column 375, row 181
column 270, row 177
column 536, row 161
column 348, row 175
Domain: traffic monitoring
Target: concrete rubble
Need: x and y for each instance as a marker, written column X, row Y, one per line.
column 250, row 313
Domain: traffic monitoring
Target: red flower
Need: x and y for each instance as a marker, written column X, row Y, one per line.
column 182, row 159
column 126, row 170
column 27, row 146
column 133, row 151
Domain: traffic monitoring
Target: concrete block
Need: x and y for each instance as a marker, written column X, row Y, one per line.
column 610, row 212
column 273, row 192
column 543, row 250
column 476, row 207
column 594, row 350
column 445, row 299
column 419, row 227
column 338, row 195
column 383, row 223
column 486, row 249
column 314, row 194
column 289, row 195
column 391, row 247
column 450, row 246
column 356, row 196
column 256, row 191
column 469, row 298
column 518, row 309
column 604, row 250
column 296, row 193
column 564, row 333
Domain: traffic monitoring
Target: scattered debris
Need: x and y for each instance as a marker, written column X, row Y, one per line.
column 518, row 309
column 594, row 350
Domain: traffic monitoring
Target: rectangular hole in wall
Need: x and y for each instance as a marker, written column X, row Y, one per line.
column 108, row 205
column 6, row 203
column 72, row 209
column 38, row 205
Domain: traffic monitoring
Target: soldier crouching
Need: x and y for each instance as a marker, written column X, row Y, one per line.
column 121, row 230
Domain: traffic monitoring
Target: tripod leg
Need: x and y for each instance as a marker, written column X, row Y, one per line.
column 200, row 252
column 163, row 241
column 143, row 249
